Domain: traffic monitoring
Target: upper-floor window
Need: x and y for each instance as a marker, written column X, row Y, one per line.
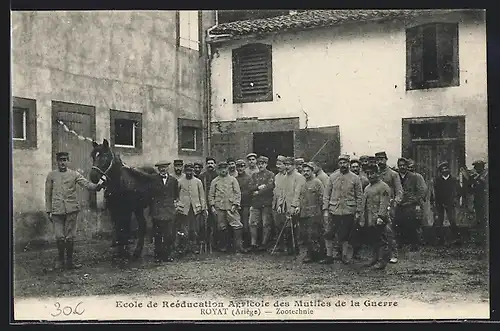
column 188, row 34
column 189, row 136
column 252, row 73
column 432, row 56
column 24, row 123
column 126, row 131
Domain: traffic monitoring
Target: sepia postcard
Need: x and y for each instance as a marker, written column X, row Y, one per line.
column 249, row 165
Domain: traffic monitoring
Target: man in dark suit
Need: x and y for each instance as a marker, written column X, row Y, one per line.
column 407, row 221
column 165, row 195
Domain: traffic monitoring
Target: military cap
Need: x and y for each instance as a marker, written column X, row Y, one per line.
column 363, row 158
column 208, row 158
column 372, row 167
column 344, row 157
column 178, row 162
column 62, row 154
column 230, row 159
column 189, row 166
column 354, row 161
column 403, row 159
column 299, row 161
column 280, row 158
column 251, row 154
column 263, row 159
column 289, row 160
column 372, row 159
column 309, row 165
column 198, row 163
column 381, row 154
column 442, row 164
column 478, row 162
column 162, row 164
column 240, row 162
column 222, row 165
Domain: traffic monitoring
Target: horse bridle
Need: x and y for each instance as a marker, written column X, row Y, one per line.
column 104, row 174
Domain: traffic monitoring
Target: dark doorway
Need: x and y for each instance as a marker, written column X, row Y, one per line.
column 272, row 144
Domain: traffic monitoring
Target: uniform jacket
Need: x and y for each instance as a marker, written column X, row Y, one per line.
column 323, row 177
column 224, row 193
column 250, row 172
column 343, row 194
column 264, row 197
column 163, row 197
column 375, row 204
column 60, row 191
column 244, row 181
column 288, row 192
column 364, row 181
column 413, row 190
column 423, row 184
column 311, row 198
column 191, row 194
column 278, row 184
column 391, row 178
column 446, row 191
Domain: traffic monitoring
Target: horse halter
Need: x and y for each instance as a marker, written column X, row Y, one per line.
column 104, row 174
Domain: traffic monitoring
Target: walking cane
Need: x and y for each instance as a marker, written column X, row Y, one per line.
column 293, row 235
column 279, row 236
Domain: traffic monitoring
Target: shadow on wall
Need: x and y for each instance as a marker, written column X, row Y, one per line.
column 34, row 229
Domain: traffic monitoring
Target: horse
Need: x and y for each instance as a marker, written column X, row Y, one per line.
column 127, row 192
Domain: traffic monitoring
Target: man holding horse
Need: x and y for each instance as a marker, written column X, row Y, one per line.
column 62, row 207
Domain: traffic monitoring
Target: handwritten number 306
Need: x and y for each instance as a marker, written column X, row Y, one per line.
column 67, row 310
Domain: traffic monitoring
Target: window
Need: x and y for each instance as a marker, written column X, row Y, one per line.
column 432, row 56
column 126, row 131
column 24, row 123
column 188, row 31
column 252, row 73
column 440, row 130
column 190, row 137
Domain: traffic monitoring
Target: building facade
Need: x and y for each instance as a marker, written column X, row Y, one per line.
column 409, row 82
column 136, row 79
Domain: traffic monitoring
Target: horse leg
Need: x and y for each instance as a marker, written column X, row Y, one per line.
column 141, row 222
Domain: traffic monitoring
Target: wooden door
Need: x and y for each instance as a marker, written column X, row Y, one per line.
column 81, row 119
column 320, row 145
column 427, row 156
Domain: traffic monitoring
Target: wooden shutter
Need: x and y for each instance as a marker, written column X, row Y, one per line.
column 414, row 58
column 447, row 53
column 252, row 73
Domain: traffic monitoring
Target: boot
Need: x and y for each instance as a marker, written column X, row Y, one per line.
column 69, row 255
column 329, row 253
column 59, row 264
column 309, row 256
column 266, row 233
column 383, row 260
column 375, row 257
column 223, row 240
column 238, row 241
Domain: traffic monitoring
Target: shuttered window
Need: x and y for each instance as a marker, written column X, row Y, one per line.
column 252, row 74
column 432, row 56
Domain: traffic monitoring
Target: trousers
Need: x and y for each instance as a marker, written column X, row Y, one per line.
column 65, row 225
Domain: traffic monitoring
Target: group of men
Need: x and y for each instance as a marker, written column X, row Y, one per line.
column 241, row 205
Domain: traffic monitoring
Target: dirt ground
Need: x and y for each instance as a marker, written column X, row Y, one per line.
column 434, row 274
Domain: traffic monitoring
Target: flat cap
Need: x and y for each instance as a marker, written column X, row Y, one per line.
column 309, row 165
column 289, row 160
column 222, row 165
column 442, row 164
column 403, row 159
column 344, row 157
column 363, row 158
column 208, row 158
column 381, row 154
column 189, row 166
column 62, row 154
column 299, row 161
column 263, row 159
column 178, row 162
column 241, row 162
column 478, row 162
column 251, row 154
column 281, row 158
column 162, row 164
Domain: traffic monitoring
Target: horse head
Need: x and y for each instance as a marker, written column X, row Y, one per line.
column 104, row 162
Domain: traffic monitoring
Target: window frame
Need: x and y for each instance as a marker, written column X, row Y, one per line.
column 136, row 133
column 198, row 133
column 236, row 73
column 189, row 40
column 29, row 123
column 415, row 48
